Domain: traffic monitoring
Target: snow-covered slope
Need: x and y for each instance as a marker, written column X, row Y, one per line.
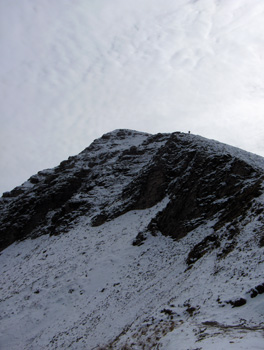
column 72, row 70
column 109, row 278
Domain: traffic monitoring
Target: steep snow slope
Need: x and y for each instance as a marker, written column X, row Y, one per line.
column 72, row 70
column 124, row 285
column 92, row 286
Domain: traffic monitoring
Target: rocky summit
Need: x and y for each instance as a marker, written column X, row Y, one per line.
column 139, row 242
column 127, row 170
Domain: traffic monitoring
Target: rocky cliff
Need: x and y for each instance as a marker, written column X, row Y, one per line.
column 126, row 170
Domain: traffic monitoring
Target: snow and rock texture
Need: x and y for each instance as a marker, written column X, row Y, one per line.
column 73, row 70
column 140, row 242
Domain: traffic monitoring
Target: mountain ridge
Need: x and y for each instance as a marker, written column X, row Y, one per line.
column 119, row 156
column 140, row 242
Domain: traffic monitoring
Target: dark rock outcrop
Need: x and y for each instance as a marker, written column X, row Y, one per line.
column 237, row 302
column 127, row 170
column 259, row 289
column 208, row 243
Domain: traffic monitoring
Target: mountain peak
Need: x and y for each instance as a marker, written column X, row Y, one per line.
column 127, row 169
column 138, row 240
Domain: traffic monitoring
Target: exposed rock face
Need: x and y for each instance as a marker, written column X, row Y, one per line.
column 127, row 170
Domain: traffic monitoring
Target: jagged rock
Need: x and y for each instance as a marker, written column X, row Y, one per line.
column 259, row 289
column 128, row 170
column 237, row 302
column 139, row 240
column 261, row 242
column 199, row 250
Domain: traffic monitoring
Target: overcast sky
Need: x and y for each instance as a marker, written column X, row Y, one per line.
column 72, row 70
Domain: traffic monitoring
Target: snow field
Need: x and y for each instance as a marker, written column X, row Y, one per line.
column 91, row 286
